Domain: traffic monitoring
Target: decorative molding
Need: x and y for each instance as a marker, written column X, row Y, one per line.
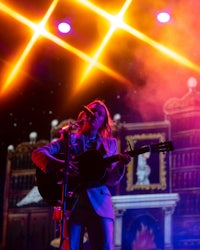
column 159, row 163
column 167, row 202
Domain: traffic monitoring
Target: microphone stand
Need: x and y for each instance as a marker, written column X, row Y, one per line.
column 64, row 237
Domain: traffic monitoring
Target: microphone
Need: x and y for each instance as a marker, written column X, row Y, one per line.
column 88, row 112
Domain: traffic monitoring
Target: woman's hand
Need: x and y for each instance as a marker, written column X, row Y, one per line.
column 124, row 158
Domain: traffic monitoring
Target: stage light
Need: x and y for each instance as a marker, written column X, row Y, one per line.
column 64, row 27
column 163, row 17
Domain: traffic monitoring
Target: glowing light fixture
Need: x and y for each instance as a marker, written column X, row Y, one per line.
column 163, row 17
column 192, row 82
column 64, row 27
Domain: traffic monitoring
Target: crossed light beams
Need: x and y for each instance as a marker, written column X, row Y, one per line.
column 40, row 31
column 116, row 22
column 120, row 24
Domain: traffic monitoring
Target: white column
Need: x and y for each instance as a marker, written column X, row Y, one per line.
column 118, row 228
column 168, row 228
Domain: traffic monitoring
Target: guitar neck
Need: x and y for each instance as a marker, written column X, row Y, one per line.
column 132, row 153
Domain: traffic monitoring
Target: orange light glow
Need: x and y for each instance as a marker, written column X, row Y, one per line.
column 116, row 22
column 38, row 31
column 173, row 55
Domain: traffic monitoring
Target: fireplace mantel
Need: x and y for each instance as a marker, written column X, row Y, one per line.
column 167, row 202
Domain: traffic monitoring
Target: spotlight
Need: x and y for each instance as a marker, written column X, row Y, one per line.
column 163, row 17
column 64, row 27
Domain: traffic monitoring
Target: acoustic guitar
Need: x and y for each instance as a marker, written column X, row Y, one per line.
column 92, row 168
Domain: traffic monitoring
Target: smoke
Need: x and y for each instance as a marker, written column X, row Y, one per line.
column 157, row 78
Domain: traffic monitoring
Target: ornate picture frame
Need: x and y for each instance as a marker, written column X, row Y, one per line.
column 146, row 171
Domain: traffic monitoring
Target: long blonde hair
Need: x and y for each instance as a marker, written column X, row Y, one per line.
column 106, row 130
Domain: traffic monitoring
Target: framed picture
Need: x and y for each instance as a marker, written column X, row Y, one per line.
column 147, row 170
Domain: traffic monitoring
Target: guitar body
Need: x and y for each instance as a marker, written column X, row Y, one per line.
column 92, row 168
column 49, row 187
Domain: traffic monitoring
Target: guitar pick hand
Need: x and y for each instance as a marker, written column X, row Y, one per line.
column 72, row 170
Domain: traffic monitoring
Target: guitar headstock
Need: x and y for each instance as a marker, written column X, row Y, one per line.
column 162, row 147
